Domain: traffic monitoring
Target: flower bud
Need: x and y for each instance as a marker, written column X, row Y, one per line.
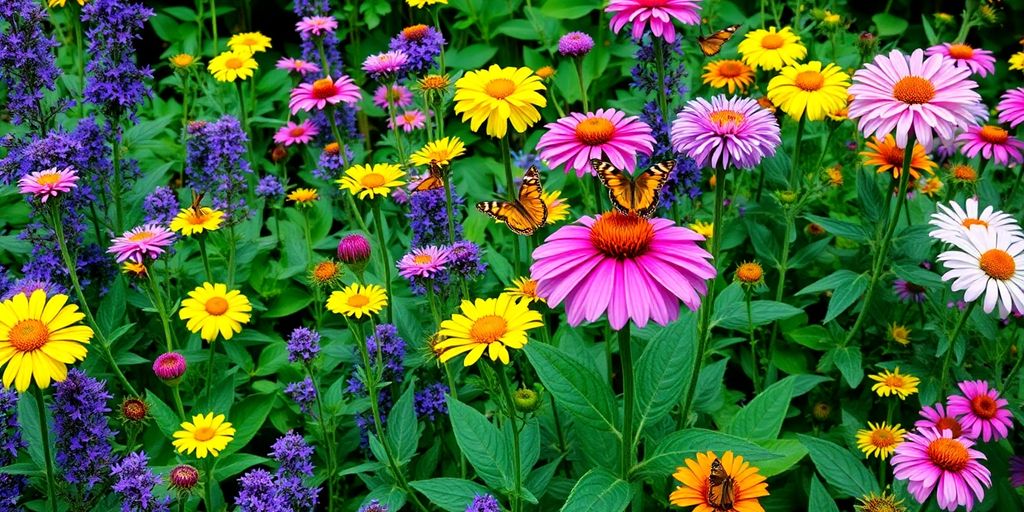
column 822, row 411
column 134, row 410
column 787, row 197
column 169, row 367
column 750, row 273
column 278, row 153
column 354, row 251
column 184, row 478
column 575, row 44
column 526, row 400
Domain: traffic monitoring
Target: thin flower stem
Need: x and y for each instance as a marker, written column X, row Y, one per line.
column 245, row 119
column 448, row 208
column 213, row 16
column 385, row 253
column 206, row 259
column 394, row 125
column 780, row 288
column 209, row 374
column 583, row 85
column 208, row 492
column 323, row 56
column 115, row 160
column 794, row 170
column 517, row 491
column 231, row 256
column 325, row 431
column 659, row 59
column 161, row 309
column 952, row 345
column 626, row 366
column 44, row 433
column 177, row 402
column 754, row 362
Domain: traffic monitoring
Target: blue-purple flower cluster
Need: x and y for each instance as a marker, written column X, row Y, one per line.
column 285, row 489
column 160, row 206
column 257, row 493
column 214, row 163
column 423, row 44
column 373, row 506
column 302, row 393
column 10, row 443
column 270, row 187
column 81, row 433
column 645, row 72
column 115, row 82
column 303, row 345
column 428, row 217
column 134, row 482
column 392, row 360
column 465, row 261
column 484, row 503
column 27, row 64
column 430, row 401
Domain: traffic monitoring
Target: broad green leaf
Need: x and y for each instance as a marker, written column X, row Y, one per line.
column 569, row 9
column 28, row 419
column 761, row 312
column 451, row 494
column 166, row 419
column 247, row 417
column 820, row 501
column 790, row 452
column 849, row 362
column 709, row 387
column 844, row 296
column 674, row 448
column 470, row 57
column 889, row 25
column 868, row 196
column 761, row 419
column 663, row 370
column 842, row 228
column 918, row 276
column 481, row 443
column 403, row 431
column 839, row 467
column 829, row 282
column 235, row 463
column 598, row 491
column 577, row 388
column 814, row 337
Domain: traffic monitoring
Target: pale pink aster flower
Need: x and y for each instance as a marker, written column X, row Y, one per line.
column 148, row 240
column 983, row 414
column 993, row 143
column 297, row 66
column 658, row 12
column 385, row 65
column 911, row 94
column 605, row 135
column 727, row 132
column 936, row 461
column 938, row 418
column 323, row 92
column 409, row 120
column 48, row 183
column 1011, row 107
column 401, row 97
column 292, row 133
column 316, row 26
column 977, row 60
column 424, row 262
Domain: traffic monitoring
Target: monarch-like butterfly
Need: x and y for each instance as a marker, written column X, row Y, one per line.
column 196, row 199
column 637, row 195
column 525, row 214
column 712, row 44
column 434, row 181
column 721, row 493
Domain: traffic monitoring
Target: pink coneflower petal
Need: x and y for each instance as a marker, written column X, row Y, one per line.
column 659, row 13
column 316, row 26
column 982, row 412
column 992, row 143
column 401, row 96
column 297, row 66
column 49, row 183
column 409, row 120
column 148, row 240
column 938, row 418
column 425, row 262
column 727, row 132
column 292, row 133
column 1011, row 107
column 387, row 63
column 933, row 461
column 323, row 92
column 964, row 56
column 605, row 135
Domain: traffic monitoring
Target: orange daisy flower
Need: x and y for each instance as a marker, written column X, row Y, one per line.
column 889, row 158
column 747, row 484
column 731, row 74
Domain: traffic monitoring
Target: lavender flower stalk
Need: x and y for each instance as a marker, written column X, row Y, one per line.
column 135, row 483
column 27, row 63
column 82, row 435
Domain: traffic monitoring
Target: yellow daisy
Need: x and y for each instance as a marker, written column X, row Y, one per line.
column 899, row 333
column 731, row 74
column 135, row 269
column 182, row 60
column 356, row 300
column 771, row 49
column 211, row 309
column 419, row 4
column 893, row 383
column 432, row 83
column 371, row 180
column 880, row 440
column 558, row 208
column 249, row 42
column 835, row 175
column 39, row 337
column 809, row 90
column 441, row 151
column 192, row 221
column 493, row 325
column 204, row 435
column 232, row 65
column 524, row 288
column 303, row 196
column 705, row 229
column 930, row 186
column 1017, row 60
column 61, row 3
column 499, row 95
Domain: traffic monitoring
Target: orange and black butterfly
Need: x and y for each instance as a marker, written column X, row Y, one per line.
column 527, row 213
column 637, row 195
column 712, row 44
column 721, row 493
column 434, row 181
column 196, row 199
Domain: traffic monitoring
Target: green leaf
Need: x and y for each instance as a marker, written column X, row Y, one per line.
column 577, row 388
column 889, row 25
column 829, row 282
column 481, row 443
column 451, row 494
column 844, row 296
column 814, row 337
column 403, row 430
column 790, row 453
column 809, row 253
column 842, row 228
column 761, row 312
column 598, row 491
column 849, row 362
column 112, row 308
column 661, row 374
column 28, row 418
column 839, row 467
column 868, row 196
column 235, row 463
column 470, row 57
column 569, row 9
column 820, row 501
column 929, row 32
column 248, row 416
column 675, row 447
column 166, row 419
column 709, row 387
column 918, row 276
column 762, row 418
column 288, row 302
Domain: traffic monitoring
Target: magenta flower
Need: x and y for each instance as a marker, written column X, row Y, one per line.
column 383, row 66
column 908, row 292
column 606, row 134
column 938, row 418
column 148, row 240
column 297, row 66
column 316, row 26
column 292, row 133
column 323, row 92
column 575, row 44
column 424, row 262
column 977, row 60
column 409, row 120
column 49, row 183
column 1016, row 471
column 993, row 143
column 934, row 461
column 926, row 97
column 169, row 366
column 658, row 12
column 401, row 97
column 727, row 132
column 630, row 267
column 1011, row 107
column 983, row 414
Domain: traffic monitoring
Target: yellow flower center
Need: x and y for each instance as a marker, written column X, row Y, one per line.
column 433, row 82
column 730, row 69
column 998, row 264
column 749, row 273
column 950, row 424
column 197, row 218
column 144, row 235
column 528, row 288
column 250, row 41
column 182, row 60
column 324, row 88
column 993, row 134
column 881, row 438
column 28, row 335
column 895, row 381
column 234, row 63
column 204, row 434
column 621, row 236
column 772, row 42
column 422, row 259
column 726, row 117
column 967, row 223
column 415, row 32
column 216, row 306
column 984, row 407
column 500, row 88
column 325, row 271
column 48, row 179
column 373, row 180
column 358, row 300
column 810, row 80
column 948, row 455
column 595, row 131
column 913, row 90
column 488, row 329
column 961, row 51
column 965, row 173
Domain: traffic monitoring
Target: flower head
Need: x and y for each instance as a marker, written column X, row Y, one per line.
column 987, row 262
column 879, row 503
column 183, row 478
column 434, row 83
column 725, row 132
column 992, row 143
column 169, row 367
column 558, row 207
column 750, row 273
column 487, row 325
column 303, row 196
column 232, row 65
column 441, row 152
column 147, row 241
column 369, row 181
column 771, row 49
column 894, row 383
column 658, row 13
column 899, row 333
column 419, row 4
column 1011, row 107
column 424, row 262
column 81, row 431
column 385, row 66
column 399, row 95
column 39, row 337
column 484, row 503
column 983, row 414
column 322, row 93
column 936, row 461
column 1017, row 471
column 964, row 56
column 421, row 44
column 498, row 96
column 356, row 300
column 205, row 435
column 325, row 274
column 211, row 309
column 525, row 289
column 354, row 251
column 49, row 183
column 889, row 158
column 607, row 134
column 702, row 228
column 880, row 440
column 249, row 42
column 409, row 120
column 182, row 61
column 292, row 133
column 939, row 418
column 954, row 221
column 695, row 483
column 297, row 66
column 193, row 221
column 316, row 26
column 731, row 74
column 575, row 44
column 809, row 90
column 303, row 345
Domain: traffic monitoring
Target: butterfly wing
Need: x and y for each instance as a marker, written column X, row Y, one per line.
column 432, row 182
column 527, row 213
column 712, row 44
column 721, row 493
column 196, row 200
column 646, row 187
column 620, row 186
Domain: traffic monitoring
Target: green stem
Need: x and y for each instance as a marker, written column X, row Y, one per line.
column 206, row 259
column 158, row 303
column 199, row 22
column 754, row 362
column 325, row 431
column 44, row 431
column 794, row 170
column 448, row 208
column 177, row 402
column 385, row 254
column 208, row 491
column 583, row 86
column 780, row 287
column 626, row 366
column 245, row 119
column 394, row 126
column 213, row 16
column 510, row 194
column 1013, row 371
column 659, row 51
column 209, row 374
column 952, row 345
column 324, row 64
column 115, row 159
column 517, row 491
column 231, row 256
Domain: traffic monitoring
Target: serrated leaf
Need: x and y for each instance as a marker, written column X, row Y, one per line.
column 579, row 389
column 659, row 379
column 481, row 443
column 849, row 362
column 844, row 296
column 451, row 494
column 761, row 419
column 820, row 500
column 598, row 491
column 839, row 467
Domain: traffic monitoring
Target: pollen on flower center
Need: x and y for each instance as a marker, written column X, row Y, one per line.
column 998, row 264
column 948, row 454
column 324, row 88
column 358, row 300
column 372, row 180
column 726, row 117
column 204, row 434
column 809, row 80
column 913, row 90
column 142, row 235
column 964, row 172
column 894, row 381
column 984, row 407
column 961, row 51
column 882, row 438
column 968, row 222
column 234, row 63
column 415, row 32
column 950, row 424
column 422, row 259
column 595, row 131
column 325, row 270
column 28, row 335
column 621, row 236
column 48, row 179
column 772, row 42
column 500, row 88
column 488, row 329
column 993, row 134
column 730, row 69
column 297, row 131
column 216, row 306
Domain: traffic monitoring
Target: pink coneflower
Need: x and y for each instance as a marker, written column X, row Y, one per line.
column 926, row 97
column 136, row 244
column 606, row 134
column 977, row 60
column 938, row 418
column 316, row 26
column 409, row 120
column 1016, row 471
column 297, row 66
column 1011, row 107
column 983, row 414
column 908, row 292
column 401, row 97
column 292, row 133
column 323, row 92
column 993, row 142
column 658, row 12
column 726, row 132
column 48, row 183
column 424, row 262
column 936, row 461
column 634, row 268
column 385, row 65
column 169, row 366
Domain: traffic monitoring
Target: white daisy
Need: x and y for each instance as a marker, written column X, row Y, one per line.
column 989, row 262
column 954, row 221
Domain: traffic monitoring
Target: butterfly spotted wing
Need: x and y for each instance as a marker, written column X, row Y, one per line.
column 712, row 44
column 196, row 199
column 721, row 494
column 432, row 182
column 633, row 195
column 527, row 213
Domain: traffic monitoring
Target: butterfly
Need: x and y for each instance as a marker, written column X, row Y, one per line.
column 637, row 195
column 434, row 181
column 712, row 44
column 196, row 199
column 525, row 214
column 721, row 493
